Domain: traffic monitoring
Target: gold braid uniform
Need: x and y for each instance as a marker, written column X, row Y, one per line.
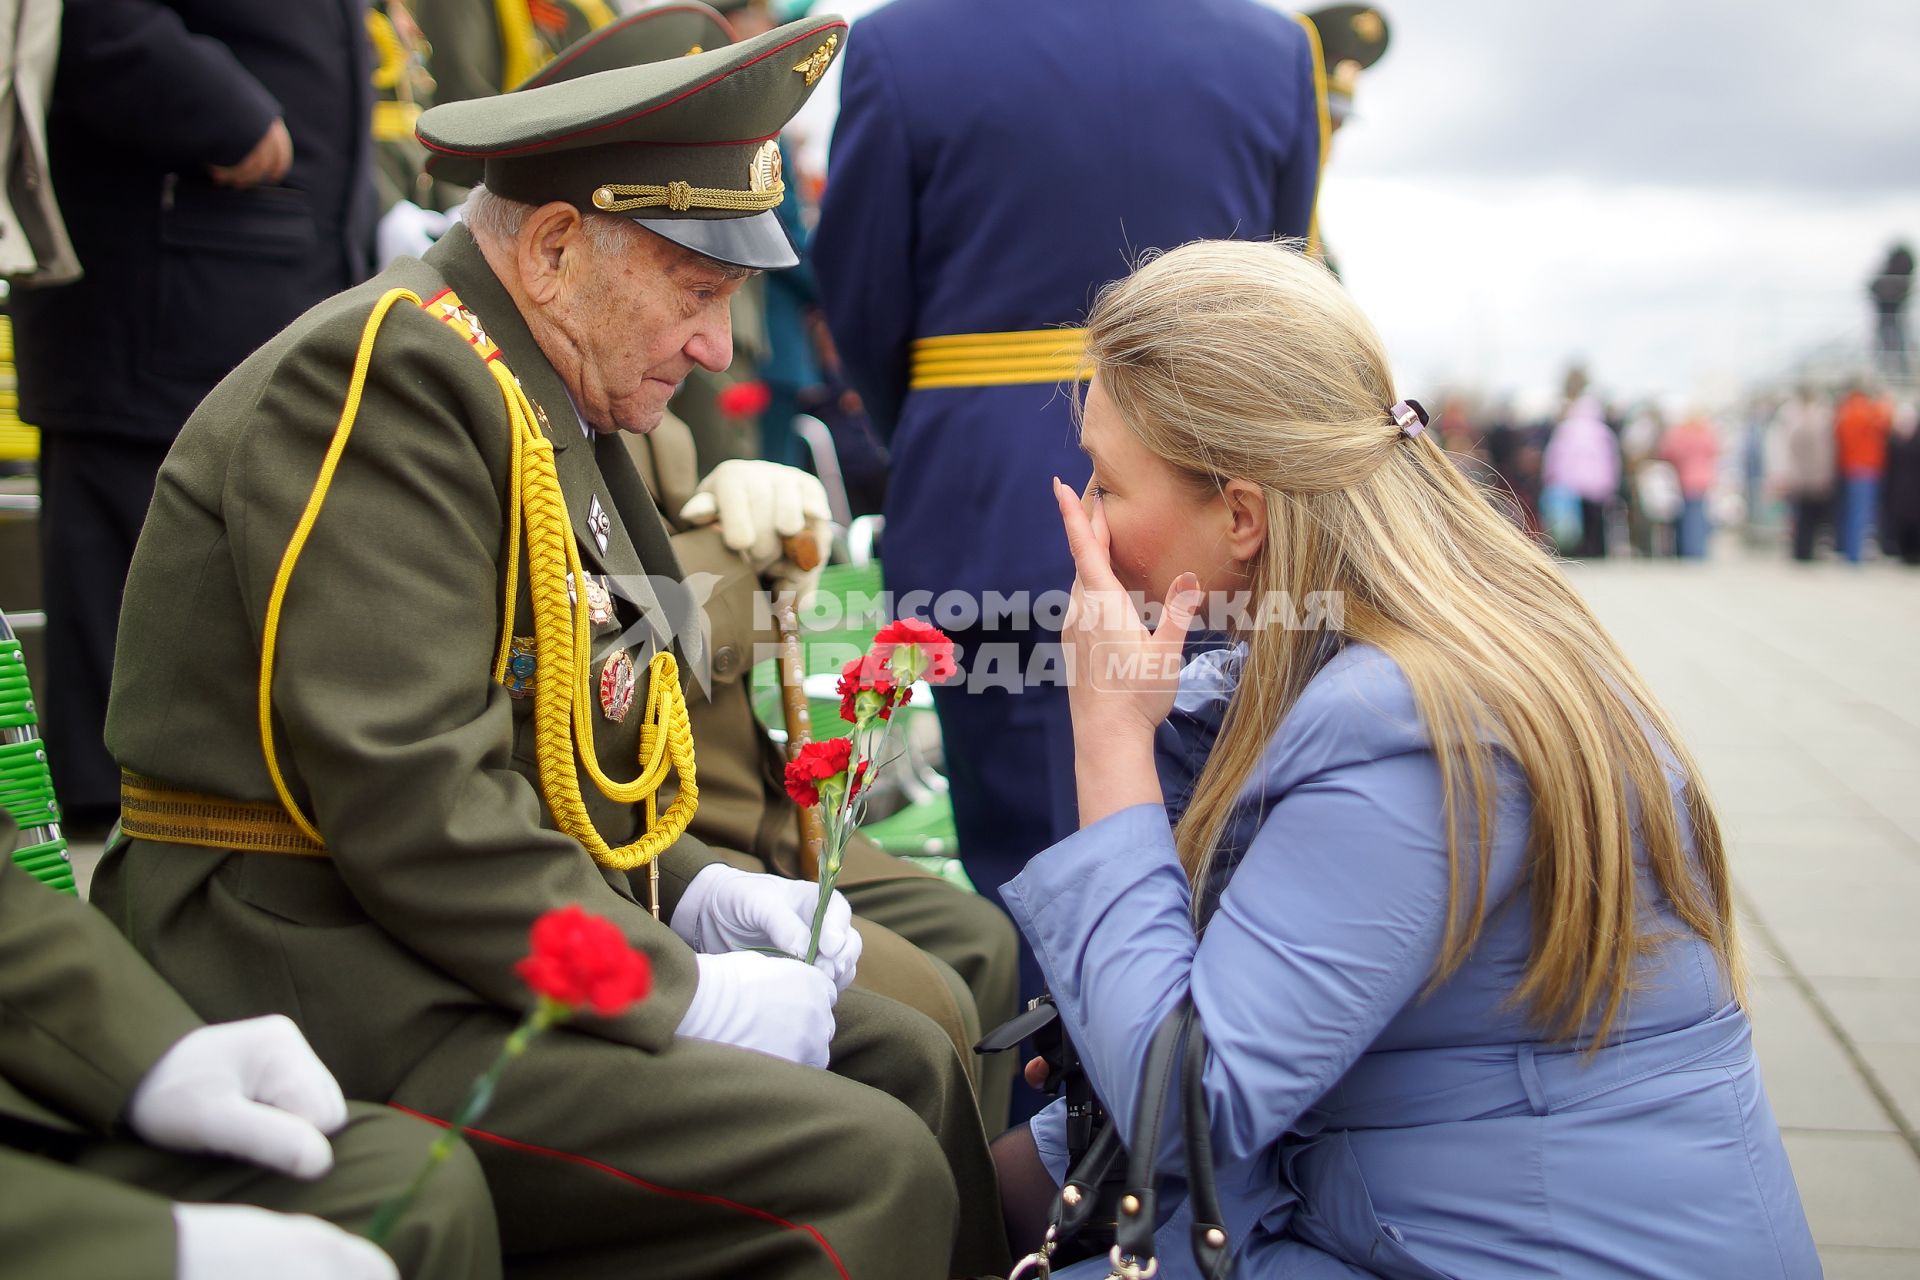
column 440, row 798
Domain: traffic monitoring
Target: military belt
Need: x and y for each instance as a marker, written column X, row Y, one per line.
column 154, row 810
column 998, row 359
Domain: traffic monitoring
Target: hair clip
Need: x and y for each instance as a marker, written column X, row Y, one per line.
column 1409, row 417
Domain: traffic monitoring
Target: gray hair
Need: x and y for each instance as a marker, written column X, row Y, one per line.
column 500, row 218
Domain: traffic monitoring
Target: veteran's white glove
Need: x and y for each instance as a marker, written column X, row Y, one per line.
column 238, row 1241
column 726, row 909
column 765, row 1003
column 759, row 505
column 407, row 231
column 252, row 1090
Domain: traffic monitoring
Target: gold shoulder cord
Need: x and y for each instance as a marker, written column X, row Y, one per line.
column 562, row 709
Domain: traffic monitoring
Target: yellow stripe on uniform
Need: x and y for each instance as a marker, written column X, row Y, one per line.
column 998, row 359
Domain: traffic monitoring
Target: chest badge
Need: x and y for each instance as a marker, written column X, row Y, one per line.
column 521, row 666
column 617, row 681
column 599, row 523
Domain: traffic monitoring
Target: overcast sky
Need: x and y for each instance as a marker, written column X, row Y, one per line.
column 1683, row 194
column 1686, row 193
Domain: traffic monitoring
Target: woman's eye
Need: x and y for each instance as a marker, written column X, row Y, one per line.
column 1096, row 490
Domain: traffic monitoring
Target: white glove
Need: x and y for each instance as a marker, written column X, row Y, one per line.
column 760, row 504
column 763, row 1003
column 727, row 909
column 252, row 1090
column 407, row 231
column 239, row 1242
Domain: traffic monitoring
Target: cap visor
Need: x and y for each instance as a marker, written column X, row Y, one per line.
column 759, row 242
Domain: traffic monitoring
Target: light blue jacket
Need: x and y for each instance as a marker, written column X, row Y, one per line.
column 1360, row 1127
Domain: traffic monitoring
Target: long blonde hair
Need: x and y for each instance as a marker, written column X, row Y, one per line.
column 1248, row 360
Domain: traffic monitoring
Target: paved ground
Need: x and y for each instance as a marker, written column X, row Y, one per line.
column 1799, row 691
column 1798, row 687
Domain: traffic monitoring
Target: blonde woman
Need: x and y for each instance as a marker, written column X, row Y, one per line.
column 1433, row 863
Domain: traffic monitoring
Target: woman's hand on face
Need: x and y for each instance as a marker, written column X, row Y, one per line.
column 1122, row 676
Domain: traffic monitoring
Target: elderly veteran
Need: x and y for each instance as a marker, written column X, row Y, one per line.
column 377, row 711
column 967, row 978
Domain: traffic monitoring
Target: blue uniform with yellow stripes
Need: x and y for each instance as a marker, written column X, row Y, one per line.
column 995, row 163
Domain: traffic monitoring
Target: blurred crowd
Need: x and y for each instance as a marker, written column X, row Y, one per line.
column 1820, row 470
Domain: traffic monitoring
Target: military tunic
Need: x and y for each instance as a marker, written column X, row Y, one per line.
column 613, row 1141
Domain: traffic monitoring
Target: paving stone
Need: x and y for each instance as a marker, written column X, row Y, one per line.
column 1809, row 1080
column 1859, row 1189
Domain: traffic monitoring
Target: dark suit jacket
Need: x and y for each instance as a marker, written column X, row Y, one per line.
column 185, row 279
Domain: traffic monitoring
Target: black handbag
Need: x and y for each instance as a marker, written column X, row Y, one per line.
column 1087, row 1198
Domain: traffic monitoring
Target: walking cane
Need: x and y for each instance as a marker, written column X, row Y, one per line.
column 804, row 552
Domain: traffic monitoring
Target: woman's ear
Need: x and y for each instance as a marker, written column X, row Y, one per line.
column 1246, row 518
column 551, row 233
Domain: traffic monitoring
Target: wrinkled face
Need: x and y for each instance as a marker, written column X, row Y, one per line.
column 640, row 315
column 1160, row 523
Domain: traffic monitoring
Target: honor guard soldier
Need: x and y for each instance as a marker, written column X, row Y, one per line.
column 982, row 188
column 967, row 977
column 379, row 709
column 1352, row 38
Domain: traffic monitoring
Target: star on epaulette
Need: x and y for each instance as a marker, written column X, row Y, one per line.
column 465, row 316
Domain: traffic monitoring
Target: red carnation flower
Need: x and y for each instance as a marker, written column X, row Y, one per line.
column 817, row 762
column 744, row 400
column 935, row 663
column 859, row 778
column 869, row 674
column 580, row 959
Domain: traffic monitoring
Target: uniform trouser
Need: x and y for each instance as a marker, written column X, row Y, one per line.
column 94, row 493
column 935, row 948
column 110, row 1213
column 1009, row 761
column 716, row 1162
column 961, row 936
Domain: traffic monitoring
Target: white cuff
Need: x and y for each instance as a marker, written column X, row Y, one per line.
column 691, row 910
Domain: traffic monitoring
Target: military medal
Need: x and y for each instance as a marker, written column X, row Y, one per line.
column 598, row 522
column 599, row 599
column 546, row 428
column 616, row 686
column 521, row 666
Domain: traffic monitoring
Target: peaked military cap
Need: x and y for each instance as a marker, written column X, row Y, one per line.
column 1352, row 38
column 685, row 146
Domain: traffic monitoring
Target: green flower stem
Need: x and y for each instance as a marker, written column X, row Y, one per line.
column 545, row 1014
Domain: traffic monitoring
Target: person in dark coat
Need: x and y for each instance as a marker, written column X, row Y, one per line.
column 959, row 230
column 1900, row 510
column 213, row 162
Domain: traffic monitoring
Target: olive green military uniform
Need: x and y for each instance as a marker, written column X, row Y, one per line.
column 82, row 1019
column 948, row 953
column 483, row 47
column 613, row 1143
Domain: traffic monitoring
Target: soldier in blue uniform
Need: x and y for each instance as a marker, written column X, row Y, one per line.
column 995, row 163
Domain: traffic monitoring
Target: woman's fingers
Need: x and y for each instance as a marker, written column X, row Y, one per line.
column 1176, row 616
column 1089, row 551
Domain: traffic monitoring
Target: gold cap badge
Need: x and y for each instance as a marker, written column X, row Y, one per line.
column 814, row 65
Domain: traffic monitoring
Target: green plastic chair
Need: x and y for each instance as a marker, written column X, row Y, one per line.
column 26, row 785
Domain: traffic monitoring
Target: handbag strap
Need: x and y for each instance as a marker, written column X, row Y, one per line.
column 1133, row 1253
column 1209, row 1228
